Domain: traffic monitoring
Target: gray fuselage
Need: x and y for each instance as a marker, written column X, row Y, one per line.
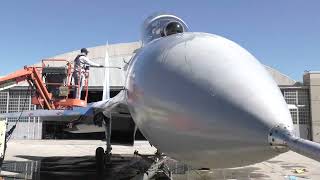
column 204, row 100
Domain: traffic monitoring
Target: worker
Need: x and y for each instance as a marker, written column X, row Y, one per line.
column 81, row 63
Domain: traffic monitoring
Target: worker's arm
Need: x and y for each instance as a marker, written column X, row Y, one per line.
column 87, row 61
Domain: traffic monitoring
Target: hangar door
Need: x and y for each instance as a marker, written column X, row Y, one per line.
column 299, row 106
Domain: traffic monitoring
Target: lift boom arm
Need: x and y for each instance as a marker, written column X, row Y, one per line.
column 32, row 75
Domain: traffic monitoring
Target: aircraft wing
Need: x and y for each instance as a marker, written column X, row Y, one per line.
column 112, row 105
column 48, row 113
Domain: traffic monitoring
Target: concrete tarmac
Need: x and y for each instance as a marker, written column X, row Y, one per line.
column 74, row 159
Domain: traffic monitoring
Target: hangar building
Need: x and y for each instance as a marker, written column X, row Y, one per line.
column 303, row 98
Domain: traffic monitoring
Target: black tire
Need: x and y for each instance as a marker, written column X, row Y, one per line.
column 100, row 160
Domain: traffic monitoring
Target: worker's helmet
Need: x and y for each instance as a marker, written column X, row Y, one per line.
column 84, row 50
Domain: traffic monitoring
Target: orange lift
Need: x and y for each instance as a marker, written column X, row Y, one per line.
column 52, row 84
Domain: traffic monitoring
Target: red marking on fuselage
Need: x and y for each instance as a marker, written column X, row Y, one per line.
column 183, row 123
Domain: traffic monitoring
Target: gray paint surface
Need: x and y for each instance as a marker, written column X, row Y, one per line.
column 201, row 98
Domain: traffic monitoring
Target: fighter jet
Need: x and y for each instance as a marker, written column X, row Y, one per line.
column 197, row 97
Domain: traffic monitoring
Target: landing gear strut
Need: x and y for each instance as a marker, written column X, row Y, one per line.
column 107, row 127
column 104, row 157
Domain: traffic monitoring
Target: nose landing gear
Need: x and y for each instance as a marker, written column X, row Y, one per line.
column 154, row 169
column 103, row 158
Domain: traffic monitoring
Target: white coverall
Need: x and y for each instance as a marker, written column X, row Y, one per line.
column 81, row 62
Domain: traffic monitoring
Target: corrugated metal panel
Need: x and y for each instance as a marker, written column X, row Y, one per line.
column 27, row 130
column 4, row 102
column 16, row 101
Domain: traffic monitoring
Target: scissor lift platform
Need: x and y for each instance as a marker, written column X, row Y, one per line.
column 51, row 82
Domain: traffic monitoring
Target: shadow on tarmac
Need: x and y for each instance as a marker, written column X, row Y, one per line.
column 123, row 167
column 71, row 168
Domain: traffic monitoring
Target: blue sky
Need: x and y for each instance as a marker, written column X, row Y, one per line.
column 282, row 34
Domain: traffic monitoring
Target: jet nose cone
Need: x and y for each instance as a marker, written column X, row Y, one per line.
column 212, row 95
column 226, row 72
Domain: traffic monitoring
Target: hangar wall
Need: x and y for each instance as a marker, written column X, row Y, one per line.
column 297, row 98
column 312, row 79
column 16, row 101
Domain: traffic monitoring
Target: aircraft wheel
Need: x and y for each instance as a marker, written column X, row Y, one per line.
column 100, row 160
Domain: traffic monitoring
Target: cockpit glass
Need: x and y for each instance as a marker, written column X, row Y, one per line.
column 161, row 25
